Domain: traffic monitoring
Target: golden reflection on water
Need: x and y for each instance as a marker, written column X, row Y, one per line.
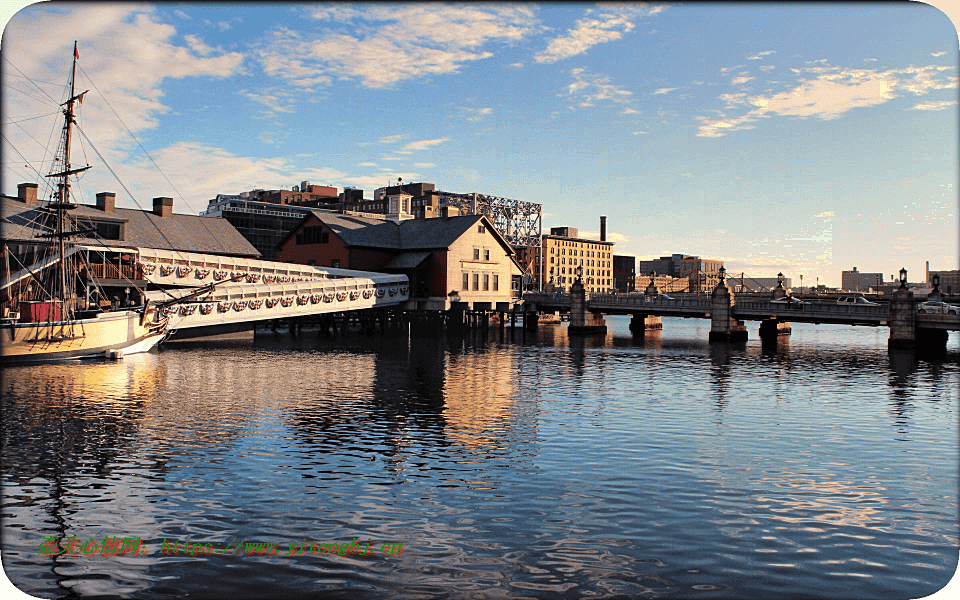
column 478, row 396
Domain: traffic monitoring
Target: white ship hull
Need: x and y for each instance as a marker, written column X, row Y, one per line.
column 110, row 333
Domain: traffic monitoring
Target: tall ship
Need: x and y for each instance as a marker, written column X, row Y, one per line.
column 46, row 318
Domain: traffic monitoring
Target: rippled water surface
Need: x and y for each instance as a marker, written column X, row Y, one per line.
column 506, row 465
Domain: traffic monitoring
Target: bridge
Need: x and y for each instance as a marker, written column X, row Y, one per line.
column 252, row 290
column 908, row 327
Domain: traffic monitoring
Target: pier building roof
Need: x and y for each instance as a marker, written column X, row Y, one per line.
column 160, row 228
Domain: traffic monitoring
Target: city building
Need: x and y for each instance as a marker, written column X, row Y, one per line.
column 305, row 194
column 665, row 284
column 565, row 255
column 624, row 271
column 451, row 258
column 949, row 280
column 703, row 274
column 857, row 281
column 263, row 224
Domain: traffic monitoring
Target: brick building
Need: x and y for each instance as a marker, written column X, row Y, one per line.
column 449, row 258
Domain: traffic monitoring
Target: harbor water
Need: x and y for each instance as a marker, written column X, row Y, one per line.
column 488, row 464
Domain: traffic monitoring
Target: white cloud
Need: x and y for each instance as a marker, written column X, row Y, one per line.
column 200, row 172
column 828, row 213
column 589, row 32
column 938, row 53
column 832, row 92
column 276, row 101
column 941, row 105
column 760, row 55
column 477, row 114
column 387, row 43
column 609, row 26
column 125, row 53
column 664, row 90
column 424, row 165
column 591, row 88
column 424, row 144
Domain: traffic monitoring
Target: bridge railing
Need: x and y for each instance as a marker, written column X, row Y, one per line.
column 880, row 311
column 690, row 302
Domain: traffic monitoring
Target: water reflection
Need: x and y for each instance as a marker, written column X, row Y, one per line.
column 508, row 463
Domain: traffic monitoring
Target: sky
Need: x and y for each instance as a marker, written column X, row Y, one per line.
column 799, row 138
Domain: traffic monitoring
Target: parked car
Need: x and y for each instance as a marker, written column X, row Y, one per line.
column 855, row 300
column 790, row 302
column 937, row 307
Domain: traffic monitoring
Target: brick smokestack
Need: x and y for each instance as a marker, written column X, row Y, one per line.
column 106, row 201
column 163, row 207
column 27, row 193
column 603, row 229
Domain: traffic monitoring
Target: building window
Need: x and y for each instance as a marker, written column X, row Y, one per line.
column 335, row 263
column 486, row 254
column 476, row 281
column 486, row 282
column 481, row 229
column 313, row 235
column 312, row 262
column 496, row 283
column 476, row 254
column 466, row 280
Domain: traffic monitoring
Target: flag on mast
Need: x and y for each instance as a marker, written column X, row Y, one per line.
column 76, row 53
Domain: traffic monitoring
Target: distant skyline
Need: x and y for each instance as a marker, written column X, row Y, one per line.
column 793, row 137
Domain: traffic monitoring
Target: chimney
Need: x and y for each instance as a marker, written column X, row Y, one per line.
column 163, row 207
column 450, row 211
column 27, row 193
column 603, row 229
column 106, row 201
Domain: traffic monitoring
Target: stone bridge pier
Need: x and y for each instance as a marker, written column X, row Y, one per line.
column 641, row 323
column 723, row 327
column 904, row 332
column 583, row 321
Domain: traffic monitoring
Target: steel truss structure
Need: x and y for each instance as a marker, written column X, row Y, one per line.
column 518, row 221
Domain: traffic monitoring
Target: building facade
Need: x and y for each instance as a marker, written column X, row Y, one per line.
column 624, row 273
column 565, row 256
column 857, row 281
column 703, row 274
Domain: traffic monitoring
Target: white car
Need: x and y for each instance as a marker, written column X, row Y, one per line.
column 790, row 302
column 855, row 300
column 937, row 307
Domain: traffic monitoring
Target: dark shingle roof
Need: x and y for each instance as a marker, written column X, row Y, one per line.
column 186, row 233
column 407, row 260
column 412, row 234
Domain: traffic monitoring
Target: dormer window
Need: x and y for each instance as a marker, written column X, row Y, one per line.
column 104, row 230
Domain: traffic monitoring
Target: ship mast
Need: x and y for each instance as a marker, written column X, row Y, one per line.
column 62, row 198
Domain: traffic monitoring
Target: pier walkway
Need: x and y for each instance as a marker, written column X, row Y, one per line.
column 266, row 290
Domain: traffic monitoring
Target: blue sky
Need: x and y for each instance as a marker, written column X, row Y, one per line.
column 803, row 138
